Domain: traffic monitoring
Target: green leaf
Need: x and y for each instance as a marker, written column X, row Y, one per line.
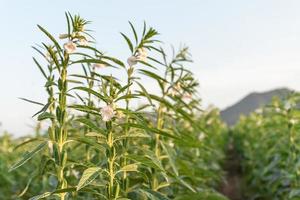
column 94, row 134
column 90, row 48
column 86, row 109
column 48, row 194
column 45, row 115
column 50, row 37
column 85, row 77
column 205, row 195
column 127, row 96
column 43, row 109
column 145, row 93
column 147, row 161
column 129, row 168
column 132, row 135
column 27, row 141
column 294, row 193
column 68, row 23
column 88, row 176
column 65, row 190
column 41, row 196
column 134, row 32
column 151, row 130
column 184, row 183
column 27, row 156
column 87, row 141
column 26, row 188
column 128, row 42
column 93, row 92
column 91, row 61
column 89, row 123
column 115, row 60
column 30, row 101
column 178, row 110
column 40, row 68
column 152, row 75
column 147, row 64
column 154, row 195
column 151, row 32
column 171, row 155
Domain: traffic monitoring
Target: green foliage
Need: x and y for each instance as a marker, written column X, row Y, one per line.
column 103, row 146
column 268, row 141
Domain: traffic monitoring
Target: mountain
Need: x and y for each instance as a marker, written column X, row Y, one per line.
column 250, row 103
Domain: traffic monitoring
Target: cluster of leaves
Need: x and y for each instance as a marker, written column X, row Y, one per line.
column 24, row 182
column 268, row 141
column 119, row 138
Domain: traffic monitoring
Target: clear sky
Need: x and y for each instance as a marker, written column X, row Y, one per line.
column 238, row 46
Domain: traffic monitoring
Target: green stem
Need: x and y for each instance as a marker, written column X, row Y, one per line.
column 125, row 142
column 111, row 160
column 159, row 125
column 62, row 127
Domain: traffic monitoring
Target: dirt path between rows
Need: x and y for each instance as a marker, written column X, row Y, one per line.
column 232, row 186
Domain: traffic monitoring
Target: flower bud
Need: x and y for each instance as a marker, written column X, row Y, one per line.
column 83, row 42
column 132, row 60
column 63, row 36
column 70, row 47
column 107, row 113
column 99, row 65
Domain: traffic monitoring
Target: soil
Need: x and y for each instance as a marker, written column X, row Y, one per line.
column 232, row 186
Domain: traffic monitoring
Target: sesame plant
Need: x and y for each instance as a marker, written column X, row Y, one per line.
column 268, row 142
column 111, row 137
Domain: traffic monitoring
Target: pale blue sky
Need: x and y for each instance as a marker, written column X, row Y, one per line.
column 238, row 46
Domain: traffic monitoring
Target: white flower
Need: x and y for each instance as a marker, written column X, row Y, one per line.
column 171, row 144
column 50, row 146
column 201, row 136
column 141, row 58
column 178, row 86
column 120, row 114
column 293, row 121
column 132, row 60
column 70, row 47
column 99, row 65
column 75, row 173
column 142, row 54
column 63, row 36
column 173, row 92
column 164, row 109
column 73, row 35
column 83, row 42
column 107, row 113
column 187, row 96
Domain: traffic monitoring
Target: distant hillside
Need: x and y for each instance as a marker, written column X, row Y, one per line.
column 250, row 103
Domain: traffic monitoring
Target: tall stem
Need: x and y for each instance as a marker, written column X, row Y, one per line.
column 51, row 101
column 111, row 160
column 125, row 142
column 62, row 126
column 159, row 125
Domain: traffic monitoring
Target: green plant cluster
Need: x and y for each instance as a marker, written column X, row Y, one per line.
column 268, row 142
column 111, row 136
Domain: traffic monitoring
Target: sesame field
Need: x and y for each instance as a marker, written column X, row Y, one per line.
column 103, row 134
